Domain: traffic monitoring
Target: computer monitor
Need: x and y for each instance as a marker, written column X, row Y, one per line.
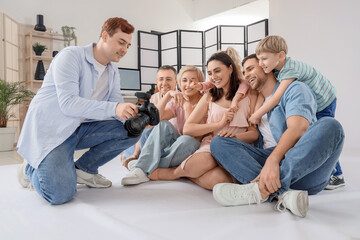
column 130, row 79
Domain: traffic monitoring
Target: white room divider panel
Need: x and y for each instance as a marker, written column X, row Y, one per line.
column 191, row 48
column 211, row 42
column 256, row 32
column 233, row 36
column 148, row 57
column 169, row 49
column 185, row 47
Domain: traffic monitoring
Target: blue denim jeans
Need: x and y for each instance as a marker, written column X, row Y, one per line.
column 130, row 151
column 306, row 166
column 165, row 148
column 55, row 178
column 329, row 111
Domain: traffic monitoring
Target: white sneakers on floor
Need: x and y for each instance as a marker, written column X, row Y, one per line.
column 135, row 176
column 295, row 200
column 132, row 164
column 92, row 180
column 22, row 178
column 229, row 194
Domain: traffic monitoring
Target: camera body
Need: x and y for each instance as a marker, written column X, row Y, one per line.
column 148, row 114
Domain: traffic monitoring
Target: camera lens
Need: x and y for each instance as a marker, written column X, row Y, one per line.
column 137, row 124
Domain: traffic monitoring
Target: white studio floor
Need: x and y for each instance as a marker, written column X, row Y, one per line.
column 172, row 210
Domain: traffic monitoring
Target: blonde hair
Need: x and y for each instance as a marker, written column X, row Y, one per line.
column 236, row 59
column 199, row 73
column 272, row 44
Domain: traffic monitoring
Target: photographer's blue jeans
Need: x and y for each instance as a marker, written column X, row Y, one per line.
column 165, row 148
column 55, row 178
column 306, row 166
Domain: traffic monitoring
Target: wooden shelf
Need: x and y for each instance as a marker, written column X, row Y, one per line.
column 37, row 58
column 47, row 35
column 49, row 40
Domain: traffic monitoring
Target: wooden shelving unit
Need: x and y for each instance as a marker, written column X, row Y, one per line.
column 49, row 40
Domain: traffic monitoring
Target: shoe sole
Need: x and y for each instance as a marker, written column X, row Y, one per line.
column 129, row 182
column 80, row 181
column 333, row 187
column 216, row 195
column 303, row 203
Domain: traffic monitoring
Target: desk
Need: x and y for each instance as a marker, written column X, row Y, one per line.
column 130, row 99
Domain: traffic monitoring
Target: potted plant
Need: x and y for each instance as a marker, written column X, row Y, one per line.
column 68, row 34
column 39, row 48
column 11, row 94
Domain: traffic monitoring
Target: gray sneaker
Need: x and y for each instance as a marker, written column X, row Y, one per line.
column 295, row 200
column 230, row 194
column 92, row 180
column 23, row 180
column 335, row 182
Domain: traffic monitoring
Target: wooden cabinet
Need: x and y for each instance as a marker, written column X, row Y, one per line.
column 53, row 42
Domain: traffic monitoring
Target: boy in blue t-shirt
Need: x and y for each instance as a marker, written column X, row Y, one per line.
column 271, row 52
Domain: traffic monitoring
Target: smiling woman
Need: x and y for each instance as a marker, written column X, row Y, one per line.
column 201, row 167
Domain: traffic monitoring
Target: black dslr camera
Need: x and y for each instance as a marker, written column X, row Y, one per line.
column 148, row 115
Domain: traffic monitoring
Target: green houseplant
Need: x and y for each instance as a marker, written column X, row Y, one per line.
column 38, row 48
column 11, row 94
column 68, row 34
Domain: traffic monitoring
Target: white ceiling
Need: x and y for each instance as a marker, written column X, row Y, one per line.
column 199, row 9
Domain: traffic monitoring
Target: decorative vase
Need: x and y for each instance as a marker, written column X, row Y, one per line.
column 40, row 23
column 38, row 53
column 40, row 71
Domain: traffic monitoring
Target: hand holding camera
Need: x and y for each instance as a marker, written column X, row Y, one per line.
column 148, row 114
column 126, row 110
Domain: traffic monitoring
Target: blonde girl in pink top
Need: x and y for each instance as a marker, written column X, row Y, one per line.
column 201, row 167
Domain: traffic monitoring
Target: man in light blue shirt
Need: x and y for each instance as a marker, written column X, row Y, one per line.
column 79, row 106
column 300, row 159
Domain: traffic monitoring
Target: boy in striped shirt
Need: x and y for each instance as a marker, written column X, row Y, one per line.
column 271, row 52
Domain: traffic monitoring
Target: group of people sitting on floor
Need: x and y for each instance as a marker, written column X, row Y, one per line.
column 255, row 131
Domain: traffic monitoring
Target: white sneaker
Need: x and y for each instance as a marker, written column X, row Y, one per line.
column 230, row 194
column 135, row 176
column 131, row 164
column 22, row 178
column 92, row 180
column 295, row 200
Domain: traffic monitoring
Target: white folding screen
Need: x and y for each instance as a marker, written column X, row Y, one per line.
column 256, row 32
column 148, row 57
column 211, row 41
column 169, row 49
column 184, row 47
column 191, row 48
column 233, row 36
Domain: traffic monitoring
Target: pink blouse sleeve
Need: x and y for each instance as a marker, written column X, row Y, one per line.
column 206, row 85
column 243, row 87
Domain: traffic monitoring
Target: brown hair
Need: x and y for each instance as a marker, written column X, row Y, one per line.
column 217, row 93
column 251, row 56
column 113, row 24
column 167, row 67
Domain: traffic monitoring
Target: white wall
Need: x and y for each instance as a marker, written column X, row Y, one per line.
column 247, row 14
column 326, row 34
column 88, row 17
